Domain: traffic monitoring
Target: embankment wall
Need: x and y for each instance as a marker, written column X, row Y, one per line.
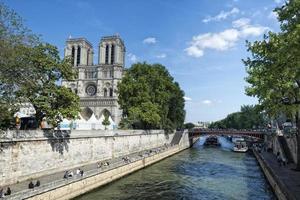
column 43, row 153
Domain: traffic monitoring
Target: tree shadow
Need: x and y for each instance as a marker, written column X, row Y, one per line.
column 58, row 139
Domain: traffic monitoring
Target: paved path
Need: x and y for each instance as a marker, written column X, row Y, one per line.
column 290, row 179
column 57, row 178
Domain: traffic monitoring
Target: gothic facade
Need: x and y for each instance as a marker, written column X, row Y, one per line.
column 96, row 84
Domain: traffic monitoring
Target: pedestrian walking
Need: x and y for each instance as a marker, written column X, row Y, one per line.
column 279, row 160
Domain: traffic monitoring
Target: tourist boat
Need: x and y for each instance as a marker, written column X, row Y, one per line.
column 212, row 141
column 240, row 146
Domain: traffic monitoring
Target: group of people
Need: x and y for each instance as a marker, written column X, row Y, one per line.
column 7, row 193
column 70, row 174
column 31, row 185
column 126, row 159
column 101, row 164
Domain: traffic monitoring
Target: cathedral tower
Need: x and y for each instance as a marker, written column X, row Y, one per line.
column 112, row 51
column 80, row 50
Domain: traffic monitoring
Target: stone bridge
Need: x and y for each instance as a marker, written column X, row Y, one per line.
column 250, row 133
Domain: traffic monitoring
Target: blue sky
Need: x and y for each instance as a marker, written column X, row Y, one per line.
column 201, row 42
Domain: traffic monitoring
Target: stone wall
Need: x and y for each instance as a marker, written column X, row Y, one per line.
column 46, row 153
column 66, row 189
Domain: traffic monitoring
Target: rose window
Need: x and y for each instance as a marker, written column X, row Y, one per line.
column 91, row 90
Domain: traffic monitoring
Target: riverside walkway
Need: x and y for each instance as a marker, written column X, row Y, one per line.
column 51, row 181
column 287, row 178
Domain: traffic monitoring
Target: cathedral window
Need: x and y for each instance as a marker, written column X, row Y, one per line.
column 112, row 56
column 110, row 92
column 78, row 55
column 110, row 73
column 73, row 54
column 91, row 90
column 90, row 73
column 105, row 92
column 106, row 54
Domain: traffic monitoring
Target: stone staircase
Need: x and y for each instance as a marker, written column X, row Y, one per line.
column 177, row 137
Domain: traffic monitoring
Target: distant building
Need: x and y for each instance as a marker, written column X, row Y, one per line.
column 202, row 124
column 96, row 84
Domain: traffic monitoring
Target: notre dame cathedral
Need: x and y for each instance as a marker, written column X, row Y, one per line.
column 96, row 84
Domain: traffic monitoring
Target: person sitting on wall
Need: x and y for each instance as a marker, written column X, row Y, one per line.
column 8, row 191
column 81, row 172
column 30, row 185
column 78, row 172
column 38, row 183
column 71, row 174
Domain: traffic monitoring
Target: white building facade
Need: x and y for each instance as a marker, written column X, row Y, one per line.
column 96, row 84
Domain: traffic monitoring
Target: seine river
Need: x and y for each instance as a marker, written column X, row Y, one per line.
column 196, row 173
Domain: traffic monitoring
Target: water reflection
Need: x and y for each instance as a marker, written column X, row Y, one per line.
column 197, row 173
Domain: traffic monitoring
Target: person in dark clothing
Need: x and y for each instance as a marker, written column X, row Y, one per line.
column 66, row 174
column 38, row 183
column 1, row 193
column 30, row 185
column 8, row 192
column 81, row 172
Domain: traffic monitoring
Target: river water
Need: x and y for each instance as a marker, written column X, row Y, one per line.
column 196, row 173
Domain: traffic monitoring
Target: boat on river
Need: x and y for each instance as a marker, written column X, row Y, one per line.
column 239, row 145
column 212, row 141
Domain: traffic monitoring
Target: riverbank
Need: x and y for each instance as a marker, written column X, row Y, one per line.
column 284, row 181
column 55, row 187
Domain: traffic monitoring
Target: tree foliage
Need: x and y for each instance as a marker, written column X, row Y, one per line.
column 189, row 125
column 150, row 99
column 106, row 121
column 274, row 68
column 29, row 72
column 249, row 117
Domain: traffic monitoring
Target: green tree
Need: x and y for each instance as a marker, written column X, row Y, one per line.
column 29, row 72
column 150, row 99
column 189, row 125
column 249, row 117
column 106, row 121
column 274, row 68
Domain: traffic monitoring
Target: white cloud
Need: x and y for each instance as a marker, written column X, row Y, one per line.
column 133, row 58
column 207, row 102
column 224, row 40
column 222, row 15
column 187, row 98
column 194, row 51
column 241, row 22
column 150, row 40
column 163, row 55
